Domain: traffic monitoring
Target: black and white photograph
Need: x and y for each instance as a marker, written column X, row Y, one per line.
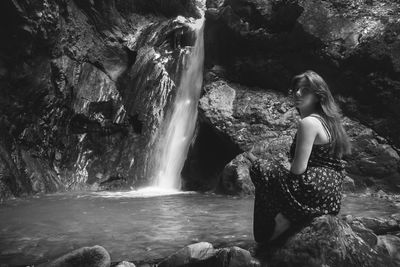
column 199, row 133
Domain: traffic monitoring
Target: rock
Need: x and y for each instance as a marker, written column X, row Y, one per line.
column 235, row 178
column 392, row 244
column 373, row 162
column 348, row 184
column 189, row 255
column 233, row 257
column 173, row 9
column 239, row 257
column 95, row 256
column 241, row 118
column 364, row 232
column 227, row 257
column 326, row 241
column 125, row 264
column 380, row 226
column 246, row 115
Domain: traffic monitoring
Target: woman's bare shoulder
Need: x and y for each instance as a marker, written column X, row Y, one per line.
column 308, row 121
column 306, row 128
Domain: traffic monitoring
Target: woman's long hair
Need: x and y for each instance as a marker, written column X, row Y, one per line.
column 327, row 108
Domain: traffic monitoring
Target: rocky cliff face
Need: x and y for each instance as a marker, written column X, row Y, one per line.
column 85, row 85
column 354, row 45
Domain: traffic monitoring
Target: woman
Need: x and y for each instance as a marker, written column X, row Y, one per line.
column 312, row 186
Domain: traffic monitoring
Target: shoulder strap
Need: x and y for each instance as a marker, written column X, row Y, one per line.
column 323, row 124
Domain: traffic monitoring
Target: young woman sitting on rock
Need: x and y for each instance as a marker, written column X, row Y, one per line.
column 312, row 186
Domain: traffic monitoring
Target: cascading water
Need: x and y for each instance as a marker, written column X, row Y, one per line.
column 174, row 140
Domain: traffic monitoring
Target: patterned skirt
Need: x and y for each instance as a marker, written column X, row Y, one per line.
column 299, row 198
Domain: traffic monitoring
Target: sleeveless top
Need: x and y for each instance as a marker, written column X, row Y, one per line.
column 320, row 156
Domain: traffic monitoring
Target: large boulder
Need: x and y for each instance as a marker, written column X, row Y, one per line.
column 95, row 256
column 233, row 118
column 188, row 255
column 329, row 241
column 392, row 244
column 374, row 161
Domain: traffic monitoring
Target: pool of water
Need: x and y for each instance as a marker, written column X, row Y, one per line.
column 136, row 226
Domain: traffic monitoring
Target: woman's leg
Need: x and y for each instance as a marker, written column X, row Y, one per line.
column 259, row 174
column 265, row 208
column 263, row 217
column 281, row 225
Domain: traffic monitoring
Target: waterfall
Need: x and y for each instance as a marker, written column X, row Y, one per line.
column 175, row 138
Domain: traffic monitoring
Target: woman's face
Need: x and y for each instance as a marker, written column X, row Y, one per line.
column 303, row 97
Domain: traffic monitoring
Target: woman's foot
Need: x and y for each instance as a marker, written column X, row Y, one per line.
column 281, row 225
column 260, row 250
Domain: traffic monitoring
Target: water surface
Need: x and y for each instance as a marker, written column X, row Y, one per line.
column 135, row 226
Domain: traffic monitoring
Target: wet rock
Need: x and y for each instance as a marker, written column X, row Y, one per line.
column 95, row 256
column 225, row 257
column 240, row 257
column 233, row 257
column 189, row 255
column 364, row 232
column 235, row 177
column 380, row 226
column 125, row 264
column 348, row 184
column 173, row 9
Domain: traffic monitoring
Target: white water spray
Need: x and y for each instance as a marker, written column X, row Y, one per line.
column 174, row 141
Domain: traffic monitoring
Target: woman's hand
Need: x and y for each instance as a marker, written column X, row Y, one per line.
column 250, row 156
column 258, row 148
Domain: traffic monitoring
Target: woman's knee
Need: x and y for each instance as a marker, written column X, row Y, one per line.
column 256, row 172
column 264, row 166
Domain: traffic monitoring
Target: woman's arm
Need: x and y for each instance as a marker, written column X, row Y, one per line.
column 306, row 134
